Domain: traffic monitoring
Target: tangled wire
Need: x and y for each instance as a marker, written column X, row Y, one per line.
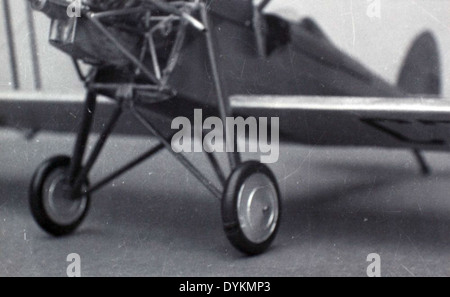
column 102, row 5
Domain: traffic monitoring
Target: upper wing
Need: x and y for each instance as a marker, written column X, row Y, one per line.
column 351, row 121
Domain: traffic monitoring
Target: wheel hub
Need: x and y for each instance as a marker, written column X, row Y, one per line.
column 258, row 208
column 59, row 202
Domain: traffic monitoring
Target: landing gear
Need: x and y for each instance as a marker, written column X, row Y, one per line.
column 53, row 203
column 60, row 192
column 251, row 208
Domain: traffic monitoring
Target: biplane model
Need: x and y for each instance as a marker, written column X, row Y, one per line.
column 159, row 59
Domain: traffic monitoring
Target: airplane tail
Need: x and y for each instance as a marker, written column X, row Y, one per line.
column 421, row 71
column 421, row 75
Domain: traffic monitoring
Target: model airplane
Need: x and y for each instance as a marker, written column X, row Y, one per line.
column 158, row 60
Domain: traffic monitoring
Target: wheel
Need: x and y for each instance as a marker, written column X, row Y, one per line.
column 251, row 208
column 51, row 201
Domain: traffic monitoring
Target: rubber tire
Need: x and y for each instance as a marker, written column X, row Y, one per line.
column 230, row 218
column 36, row 198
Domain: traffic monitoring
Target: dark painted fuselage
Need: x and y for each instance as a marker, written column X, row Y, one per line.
column 301, row 61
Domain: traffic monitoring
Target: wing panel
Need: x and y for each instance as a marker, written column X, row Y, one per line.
column 350, row 121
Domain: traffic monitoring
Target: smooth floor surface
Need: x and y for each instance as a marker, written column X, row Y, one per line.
column 340, row 205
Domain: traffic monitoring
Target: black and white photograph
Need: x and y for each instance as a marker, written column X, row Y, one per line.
column 224, row 144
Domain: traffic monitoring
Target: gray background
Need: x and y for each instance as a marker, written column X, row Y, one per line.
column 339, row 205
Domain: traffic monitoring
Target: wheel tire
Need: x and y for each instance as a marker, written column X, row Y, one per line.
column 237, row 221
column 43, row 196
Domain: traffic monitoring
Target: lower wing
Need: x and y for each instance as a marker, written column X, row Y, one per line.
column 420, row 123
